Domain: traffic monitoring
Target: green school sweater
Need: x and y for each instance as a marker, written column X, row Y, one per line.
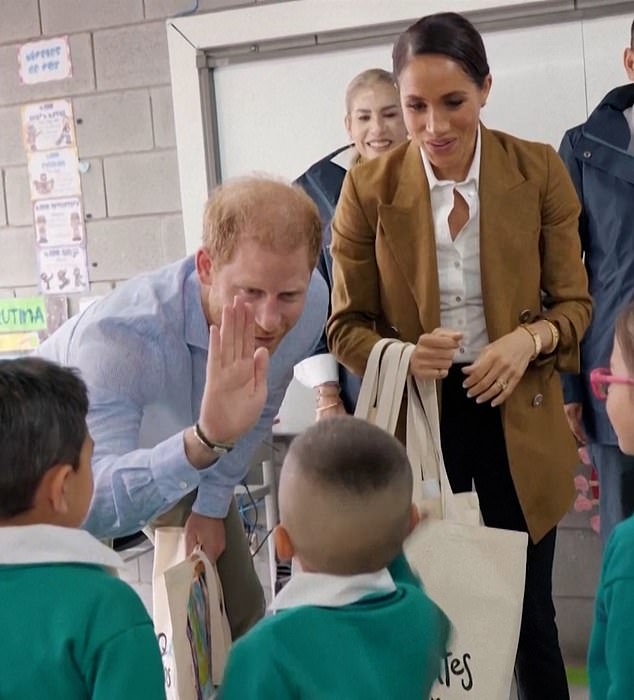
column 74, row 632
column 611, row 651
column 385, row 646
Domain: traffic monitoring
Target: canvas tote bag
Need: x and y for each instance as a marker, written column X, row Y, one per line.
column 474, row 573
column 380, row 402
column 189, row 618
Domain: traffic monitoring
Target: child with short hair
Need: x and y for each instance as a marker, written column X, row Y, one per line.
column 345, row 626
column 612, row 641
column 71, row 629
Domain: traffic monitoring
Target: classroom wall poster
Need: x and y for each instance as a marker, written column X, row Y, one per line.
column 54, row 173
column 63, row 270
column 48, row 125
column 58, row 222
column 43, row 61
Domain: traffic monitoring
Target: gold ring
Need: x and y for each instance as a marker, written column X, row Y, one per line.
column 502, row 384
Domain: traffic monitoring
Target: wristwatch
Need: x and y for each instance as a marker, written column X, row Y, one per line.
column 218, row 448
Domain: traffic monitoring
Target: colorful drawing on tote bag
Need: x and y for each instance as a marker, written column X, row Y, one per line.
column 199, row 633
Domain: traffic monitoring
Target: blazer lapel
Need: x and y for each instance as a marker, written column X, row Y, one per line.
column 507, row 214
column 407, row 227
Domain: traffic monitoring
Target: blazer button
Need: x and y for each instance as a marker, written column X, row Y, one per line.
column 538, row 400
column 587, row 154
column 525, row 315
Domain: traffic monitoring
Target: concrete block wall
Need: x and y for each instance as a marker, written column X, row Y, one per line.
column 125, row 133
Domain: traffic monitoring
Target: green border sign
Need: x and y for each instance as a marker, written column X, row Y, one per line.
column 22, row 314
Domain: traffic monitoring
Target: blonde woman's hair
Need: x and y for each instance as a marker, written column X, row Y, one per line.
column 368, row 79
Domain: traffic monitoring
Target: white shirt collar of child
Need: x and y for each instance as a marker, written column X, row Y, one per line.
column 326, row 590
column 51, row 544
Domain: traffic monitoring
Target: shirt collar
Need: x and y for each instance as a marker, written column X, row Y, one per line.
column 473, row 175
column 344, row 158
column 326, row 590
column 196, row 326
column 51, row 544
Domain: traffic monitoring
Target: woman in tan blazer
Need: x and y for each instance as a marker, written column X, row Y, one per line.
column 465, row 242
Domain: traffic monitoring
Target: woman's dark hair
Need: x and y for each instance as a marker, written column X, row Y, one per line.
column 43, row 418
column 624, row 333
column 445, row 33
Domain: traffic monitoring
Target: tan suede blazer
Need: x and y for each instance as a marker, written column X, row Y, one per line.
column 386, row 283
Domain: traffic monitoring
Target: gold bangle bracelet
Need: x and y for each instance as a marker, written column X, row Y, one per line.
column 330, row 405
column 554, row 332
column 537, row 340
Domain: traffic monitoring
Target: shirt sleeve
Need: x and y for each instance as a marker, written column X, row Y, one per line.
column 124, row 370
column 317, row 370
column 131, row 485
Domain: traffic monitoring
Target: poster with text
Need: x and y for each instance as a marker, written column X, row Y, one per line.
column 63, row 270
column 43, row 61
column 58, row 222
column 54, row 174
column 48, row 125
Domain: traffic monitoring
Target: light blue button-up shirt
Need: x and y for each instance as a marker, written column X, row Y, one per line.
column 142, row 351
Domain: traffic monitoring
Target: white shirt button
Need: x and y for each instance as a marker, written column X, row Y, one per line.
column 141, row 523
column 457, row 265
column 182, row 485
column 458, row 299
column 462, row 351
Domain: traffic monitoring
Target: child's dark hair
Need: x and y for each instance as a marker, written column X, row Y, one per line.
column 448, row 34
column 351, row 454
column 624, row 333
column 354, row 465
column 43, row 411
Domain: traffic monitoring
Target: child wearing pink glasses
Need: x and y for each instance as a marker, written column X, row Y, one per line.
column 611, row 653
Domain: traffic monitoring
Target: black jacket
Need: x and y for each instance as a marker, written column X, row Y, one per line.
column 596, row 155
column 322, row 182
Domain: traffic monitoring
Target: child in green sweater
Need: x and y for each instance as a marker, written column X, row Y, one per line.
column 346, row 626
column 612, row 642
column 71, row 629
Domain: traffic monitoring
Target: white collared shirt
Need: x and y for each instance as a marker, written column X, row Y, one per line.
column 326, row 590
column 459, row 278
column 51, row 544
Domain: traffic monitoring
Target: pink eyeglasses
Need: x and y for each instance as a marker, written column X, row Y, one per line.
column 601, row 378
